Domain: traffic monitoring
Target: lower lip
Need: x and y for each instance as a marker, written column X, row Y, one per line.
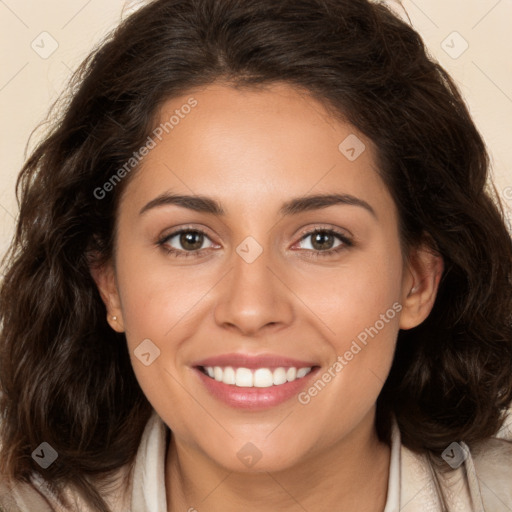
column 254, row 398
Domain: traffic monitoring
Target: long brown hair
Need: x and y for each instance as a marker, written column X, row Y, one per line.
column 66, row 377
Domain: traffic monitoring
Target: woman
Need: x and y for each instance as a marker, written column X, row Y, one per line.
column 257, row 267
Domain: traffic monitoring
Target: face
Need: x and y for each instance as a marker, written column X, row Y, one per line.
column 281, row 275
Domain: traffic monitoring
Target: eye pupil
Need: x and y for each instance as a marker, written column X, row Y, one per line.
column 320, row 238
column 191, row 240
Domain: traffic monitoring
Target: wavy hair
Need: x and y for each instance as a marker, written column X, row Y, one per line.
column 66, row 377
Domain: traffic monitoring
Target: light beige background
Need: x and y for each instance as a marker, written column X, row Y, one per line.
column 30, row 79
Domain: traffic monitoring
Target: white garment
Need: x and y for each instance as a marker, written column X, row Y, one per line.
column 393, row 499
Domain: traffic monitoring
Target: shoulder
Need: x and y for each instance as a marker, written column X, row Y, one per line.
column 482, row 480
column 493, row 465
column 115, row 488
column 36, row 496
column 22, row 497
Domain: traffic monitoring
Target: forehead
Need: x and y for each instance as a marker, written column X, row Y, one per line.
column 245, row 145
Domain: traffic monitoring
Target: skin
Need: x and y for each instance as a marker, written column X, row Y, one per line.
column 252, row 150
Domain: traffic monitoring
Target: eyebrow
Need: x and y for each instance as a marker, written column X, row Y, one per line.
column 294, row 206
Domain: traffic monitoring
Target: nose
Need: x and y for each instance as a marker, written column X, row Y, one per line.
column 253, row 297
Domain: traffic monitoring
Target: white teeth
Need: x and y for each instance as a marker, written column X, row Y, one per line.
column 244, row 378
column 302, row 372
column 279, row 376
column 291, row 374
column 259, row 378
column 229, row 376
column 217, row 374
column 263, row 378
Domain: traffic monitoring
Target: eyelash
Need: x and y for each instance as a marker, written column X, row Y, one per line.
column 346, row 243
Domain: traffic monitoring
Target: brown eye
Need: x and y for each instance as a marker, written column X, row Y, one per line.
column 322, row 240
column 186, row 242
column 191, row 240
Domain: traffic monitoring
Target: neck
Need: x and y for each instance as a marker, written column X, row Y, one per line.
column 357, row 464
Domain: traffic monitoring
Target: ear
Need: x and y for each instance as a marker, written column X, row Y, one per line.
column 105, row 278
column 423, row 272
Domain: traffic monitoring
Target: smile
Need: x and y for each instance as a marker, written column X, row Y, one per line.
column 255, row 378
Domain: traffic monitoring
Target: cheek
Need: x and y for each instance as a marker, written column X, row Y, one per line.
column 157, row 295
column 352, row 296
column 359, row 303
column 158, row 305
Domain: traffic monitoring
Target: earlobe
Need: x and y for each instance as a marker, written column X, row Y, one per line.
column 105, row 279
column 420, row 285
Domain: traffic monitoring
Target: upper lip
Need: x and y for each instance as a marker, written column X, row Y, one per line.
column 253, row 361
